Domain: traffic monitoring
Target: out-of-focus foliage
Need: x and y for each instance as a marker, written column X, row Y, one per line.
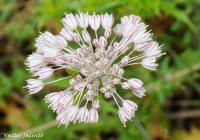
column 175, row 23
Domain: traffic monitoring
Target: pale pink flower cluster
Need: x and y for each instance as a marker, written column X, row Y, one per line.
column 102, row 55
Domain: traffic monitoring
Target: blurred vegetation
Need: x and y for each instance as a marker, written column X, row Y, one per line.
column 175, row 23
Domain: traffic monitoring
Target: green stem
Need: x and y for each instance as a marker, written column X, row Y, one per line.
column 141, row 128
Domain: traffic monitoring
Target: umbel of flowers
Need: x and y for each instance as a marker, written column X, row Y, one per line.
column 103, row 54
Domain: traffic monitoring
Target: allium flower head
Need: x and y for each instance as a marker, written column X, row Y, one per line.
column 104, row 51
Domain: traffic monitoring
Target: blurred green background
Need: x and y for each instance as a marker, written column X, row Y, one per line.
column 171, row 109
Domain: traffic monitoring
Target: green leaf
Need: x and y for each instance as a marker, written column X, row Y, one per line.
column 179, row 14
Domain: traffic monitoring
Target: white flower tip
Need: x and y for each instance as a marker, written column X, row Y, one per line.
column 34, row 85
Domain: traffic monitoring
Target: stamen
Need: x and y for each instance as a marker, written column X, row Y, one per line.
column 80, row 37
column 96, row 35
column 133, row 64
column 116, row 101
column 111, row 44
column 57, row 80
column 83, row 98
column 81, row 93
column 131, row 52
column 118, row 55
column 69, row 50
column 119, row 96
column 120, row 77
column 136, row 58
